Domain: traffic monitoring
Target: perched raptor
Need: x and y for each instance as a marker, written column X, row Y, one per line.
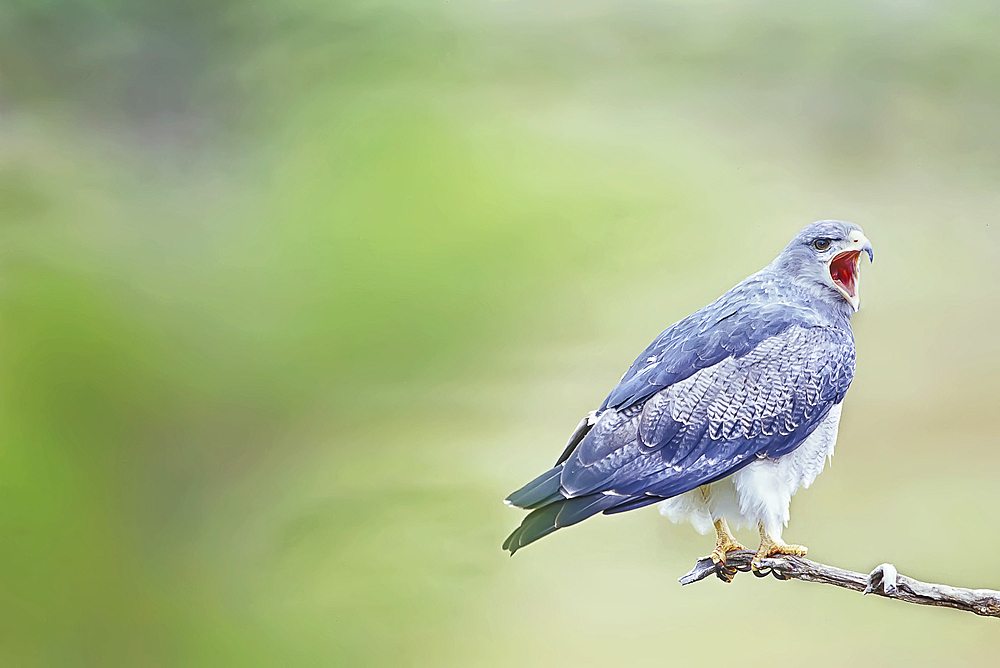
column 727, row 413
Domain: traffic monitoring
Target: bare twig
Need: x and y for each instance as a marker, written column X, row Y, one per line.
column 883, row 581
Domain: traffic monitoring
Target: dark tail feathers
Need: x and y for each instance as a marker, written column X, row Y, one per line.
column 541, row 491
column 551, row 510
column 563, row 513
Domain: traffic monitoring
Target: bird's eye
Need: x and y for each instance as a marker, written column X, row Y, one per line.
column 821, row 244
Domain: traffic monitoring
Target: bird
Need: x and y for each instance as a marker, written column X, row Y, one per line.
column 727, row 413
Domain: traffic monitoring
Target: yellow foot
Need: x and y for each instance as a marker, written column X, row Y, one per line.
column 723, row 548
column 725, row 542
column 770, row 547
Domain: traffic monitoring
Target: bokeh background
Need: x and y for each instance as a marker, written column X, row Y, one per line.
column 294, row 293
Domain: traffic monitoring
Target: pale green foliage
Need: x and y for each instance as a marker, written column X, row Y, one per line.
column 294, row 293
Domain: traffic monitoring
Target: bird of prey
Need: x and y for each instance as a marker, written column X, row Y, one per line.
column 727, row 413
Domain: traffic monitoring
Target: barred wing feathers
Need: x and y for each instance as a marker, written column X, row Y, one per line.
column 702, row 427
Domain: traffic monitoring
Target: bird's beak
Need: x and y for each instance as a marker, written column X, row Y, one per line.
column 844, row 265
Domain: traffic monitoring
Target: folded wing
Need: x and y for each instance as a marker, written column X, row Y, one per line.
column 701, row 428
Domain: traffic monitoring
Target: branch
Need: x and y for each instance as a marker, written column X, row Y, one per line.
column 883, row 581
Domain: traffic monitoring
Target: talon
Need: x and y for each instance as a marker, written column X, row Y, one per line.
column 771, row 546
column 725, row 543
column 719, row 553
column 725, row 574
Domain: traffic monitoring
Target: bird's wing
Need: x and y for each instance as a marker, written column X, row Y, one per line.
column 732, row 326
column 717, row 419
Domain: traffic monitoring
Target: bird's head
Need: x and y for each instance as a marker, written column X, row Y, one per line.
column 824, row 258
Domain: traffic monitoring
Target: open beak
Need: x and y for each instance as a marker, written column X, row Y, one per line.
column 844, row 268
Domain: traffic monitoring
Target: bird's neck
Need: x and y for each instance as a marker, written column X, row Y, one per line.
column 826, row 305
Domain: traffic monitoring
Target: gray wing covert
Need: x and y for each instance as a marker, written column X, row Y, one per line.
column 714, row 422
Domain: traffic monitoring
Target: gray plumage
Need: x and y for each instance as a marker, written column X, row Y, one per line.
column 747, row 378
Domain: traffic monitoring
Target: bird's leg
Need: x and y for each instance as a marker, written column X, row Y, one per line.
column 770, row 545
column 725, row 542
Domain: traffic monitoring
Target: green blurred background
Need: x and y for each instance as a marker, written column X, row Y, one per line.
column 294, row 293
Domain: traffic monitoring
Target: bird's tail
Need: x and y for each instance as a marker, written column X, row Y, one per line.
column 551, row 510
column 541, row 491
column 543, row 521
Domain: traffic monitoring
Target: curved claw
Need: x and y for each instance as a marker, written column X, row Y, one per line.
column 725, row 573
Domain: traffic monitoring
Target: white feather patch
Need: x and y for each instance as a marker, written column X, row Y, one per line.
column 761, row 492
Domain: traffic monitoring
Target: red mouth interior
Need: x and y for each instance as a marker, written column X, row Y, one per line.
column 844, row 271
